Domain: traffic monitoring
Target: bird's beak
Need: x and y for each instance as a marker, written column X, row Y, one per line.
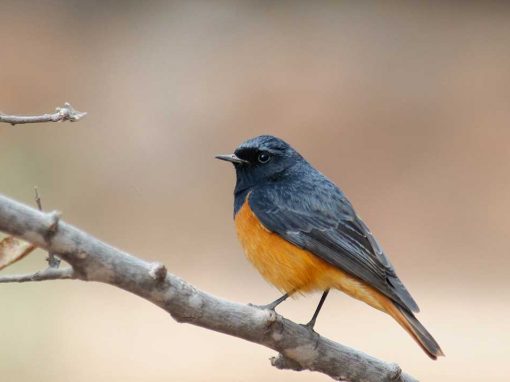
column 232, row 158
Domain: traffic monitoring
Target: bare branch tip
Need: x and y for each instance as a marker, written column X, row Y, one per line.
column 158, row 271
column 395, row 373
column 47, row 274
column 55, row 219
column 53, row 261
column 283, row 363
column 69, row 113
column 63, row 113
column 82, row 255
column 37, row 198
column 271, row 317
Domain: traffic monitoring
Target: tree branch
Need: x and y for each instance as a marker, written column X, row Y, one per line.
column 48, row 274
column 93, row 260
column 65, row 113
column 53, row 261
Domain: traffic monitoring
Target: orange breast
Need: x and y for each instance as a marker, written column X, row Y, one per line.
column 292, row 269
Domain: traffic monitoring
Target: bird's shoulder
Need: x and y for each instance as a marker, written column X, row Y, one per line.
column 304, row 193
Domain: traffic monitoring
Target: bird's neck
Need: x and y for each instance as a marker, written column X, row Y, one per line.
column 245, row 185
column 239, row 199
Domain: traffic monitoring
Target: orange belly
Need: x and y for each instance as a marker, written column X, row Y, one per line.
column 292, row 269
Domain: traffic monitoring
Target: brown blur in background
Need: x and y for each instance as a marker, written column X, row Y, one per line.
column 404, row 105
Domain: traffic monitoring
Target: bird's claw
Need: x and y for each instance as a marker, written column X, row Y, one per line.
column 310, row 326
column 263, row 307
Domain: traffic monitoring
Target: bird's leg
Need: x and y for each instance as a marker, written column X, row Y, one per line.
column 311, row 323
column 274, row 304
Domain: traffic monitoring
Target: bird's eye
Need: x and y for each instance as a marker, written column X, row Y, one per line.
column 263, row 157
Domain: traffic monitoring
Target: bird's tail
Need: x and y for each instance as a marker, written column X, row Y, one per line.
column 410, row 323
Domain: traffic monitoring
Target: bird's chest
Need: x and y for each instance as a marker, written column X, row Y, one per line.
column 289, row 268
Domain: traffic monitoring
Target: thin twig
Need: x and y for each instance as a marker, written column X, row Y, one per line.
column 52, row 259
column 47, row 274
column 37, row 199
column 65, row 113
column 93, row 260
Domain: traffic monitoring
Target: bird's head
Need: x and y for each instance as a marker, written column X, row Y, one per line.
column 261, row 159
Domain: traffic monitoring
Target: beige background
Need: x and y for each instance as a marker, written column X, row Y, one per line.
column 406, row 106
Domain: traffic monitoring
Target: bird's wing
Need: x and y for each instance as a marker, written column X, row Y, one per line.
column 325, row 224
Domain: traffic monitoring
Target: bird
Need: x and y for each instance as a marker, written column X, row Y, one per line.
column 302, row 234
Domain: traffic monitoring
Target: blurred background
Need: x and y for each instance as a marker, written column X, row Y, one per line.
column 405, row 105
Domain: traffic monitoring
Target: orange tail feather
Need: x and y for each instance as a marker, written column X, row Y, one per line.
column 410, row 323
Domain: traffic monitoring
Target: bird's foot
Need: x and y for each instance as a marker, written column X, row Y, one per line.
column 310, row 327
column 270, row 306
